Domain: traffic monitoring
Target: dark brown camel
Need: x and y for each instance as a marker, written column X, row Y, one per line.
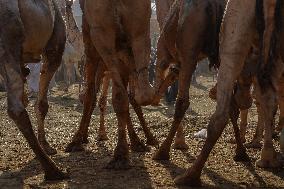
column 190, row 33
column 27, row 30
column 162, row 9
column 116, row 38
column 246, row 24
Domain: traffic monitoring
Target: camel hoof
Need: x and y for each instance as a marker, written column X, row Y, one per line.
column 255, row 145
column 119, row 164
column 74, row 147
column 180, row 146
column 188, row 180
column 152, row 142
column 241, row 157
column 161, row 155
column 268, row 163
column 56, row 175
column 102, row 137
column 47, row 148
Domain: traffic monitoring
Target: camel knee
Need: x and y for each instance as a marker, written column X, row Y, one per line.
column 20, row 116
column 15, row 112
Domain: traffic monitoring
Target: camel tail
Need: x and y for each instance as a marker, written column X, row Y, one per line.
column 267, row 40
column 215, row 14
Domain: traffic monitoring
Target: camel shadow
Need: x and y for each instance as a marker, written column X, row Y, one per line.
column 74, row 103
column 218, row 180
column 167, row 110
column 86, row 169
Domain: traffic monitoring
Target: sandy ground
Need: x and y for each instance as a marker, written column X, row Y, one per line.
column 19, row 169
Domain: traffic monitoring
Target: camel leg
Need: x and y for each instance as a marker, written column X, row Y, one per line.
column 180, row 139
column 241, row 154
column 257, row 137
column 234, row 46
column 181, row 106
column 52, row 58
column 188, row 47
column 89, row 104
column 163, row 62
column 269, row 13
column 121, row 108
column 151, row 140
column 93, row 72
column 104, row 38
column 69, row 73
column 243, row 125
column 135, row 143
column 16, row 111
column 102, row 104
column 267, row 104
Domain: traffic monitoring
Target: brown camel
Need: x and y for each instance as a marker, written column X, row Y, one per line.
column 116, row 38
column 27, row 30
column 162, row 9
column 136, row 145
column 74, row 49
column 190, row 33
column 246, row 24
column 246, row 80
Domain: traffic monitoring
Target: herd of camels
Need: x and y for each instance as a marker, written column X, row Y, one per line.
column 243, row 40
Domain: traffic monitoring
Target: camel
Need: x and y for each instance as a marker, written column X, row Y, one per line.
column 27, row 30
column 245, row 81
column 116, row 38
column 136, row 144
column 74, row 49
column 162, row 9
column 70, row 60
column 75, row 38
column 190, row 33
column 245, row 24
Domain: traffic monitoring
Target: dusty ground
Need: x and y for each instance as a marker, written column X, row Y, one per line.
column 19, row 169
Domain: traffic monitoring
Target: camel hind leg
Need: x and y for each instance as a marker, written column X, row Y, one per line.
column 268, row 154
column 16, row 111
column 52, row 58
column 241, row 154
column 102, row 135
column 234, row 49
column 151, row 140
column 93, row 72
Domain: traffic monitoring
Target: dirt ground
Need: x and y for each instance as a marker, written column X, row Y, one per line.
column 19, row 169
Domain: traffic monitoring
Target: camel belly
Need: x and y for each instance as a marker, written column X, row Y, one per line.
column 38, row 20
